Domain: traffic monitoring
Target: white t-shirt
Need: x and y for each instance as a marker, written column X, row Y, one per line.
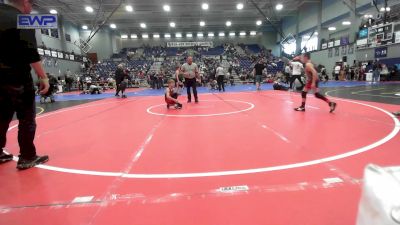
column 297, row 67
column 220, row 71
column 190, row 70
column 287, row 69
column 337, row 69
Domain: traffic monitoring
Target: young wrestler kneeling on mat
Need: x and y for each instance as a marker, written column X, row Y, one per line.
column 171, row 95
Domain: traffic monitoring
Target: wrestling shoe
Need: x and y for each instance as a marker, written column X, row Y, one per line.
column 178, row 106
column 396, row 113
column 5, row 157
column 24, row 164
column 300, row 109
column 333, row 106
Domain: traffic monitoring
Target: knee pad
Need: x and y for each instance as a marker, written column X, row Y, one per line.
column 303, row 94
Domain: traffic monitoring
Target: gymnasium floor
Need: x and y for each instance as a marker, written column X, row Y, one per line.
column 240, row 157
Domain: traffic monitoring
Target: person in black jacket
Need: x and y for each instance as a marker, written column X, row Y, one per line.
column 18, row 55
column 120, row 76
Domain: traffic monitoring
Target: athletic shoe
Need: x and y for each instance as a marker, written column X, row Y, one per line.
column 396, row 113
column 189, row 101
column 300, row 109
column 333, row 106
column 116, row 95
column 178, row 106
column 196, row 101
column 24, row 164
column 5, row 157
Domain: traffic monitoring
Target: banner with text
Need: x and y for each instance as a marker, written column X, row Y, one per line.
column 189, row 44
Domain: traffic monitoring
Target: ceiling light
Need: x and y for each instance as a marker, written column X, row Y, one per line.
column 346, row 23
column 331, row 28
column 133, row 36
column 232, row 34
column 253, row 33
column 189, row 35
column 167, row 35
column 166, row 8
column 306, row 36
column 211, row 34
column 113, row 26
column 221, row 34
column 228, row 23
column 143, row 25
column 239, row 6
column 242, row 33
column 259, row 22
column 172, row 24
column 53, row 11
column 129, row 8
column 315, row 33
column 124, row 36
column 202, row 23
column 279, row 7
column 178, row 35
column 84, row 27
column 145, row 36
column 204, row 6
column 382, row 9
column 156, row 36
column 200, row 35
column 89, row 9
column 387, row 9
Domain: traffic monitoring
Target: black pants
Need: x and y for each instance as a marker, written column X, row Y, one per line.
column 336, row 76
column 68, row 86
column 220, row 81
column 191, row 83
column 21, row 100
column 117, row 84
column 293, row 78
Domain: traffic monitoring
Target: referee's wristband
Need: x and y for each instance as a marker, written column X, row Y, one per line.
column 44, row 79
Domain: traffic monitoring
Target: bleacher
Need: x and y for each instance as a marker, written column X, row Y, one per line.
column 245, row 63
column 254, row 48
column 107, row 67
column 172, row 51
column 219, row 50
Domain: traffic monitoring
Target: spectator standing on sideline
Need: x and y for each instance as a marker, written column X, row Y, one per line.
column 17, row 56
column 337, row 71
column 257, row 72
column 119, row 77
column 68, row 80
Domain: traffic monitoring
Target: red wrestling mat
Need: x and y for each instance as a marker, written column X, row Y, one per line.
column 238, row 158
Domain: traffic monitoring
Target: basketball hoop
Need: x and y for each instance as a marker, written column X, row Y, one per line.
column 83, row 45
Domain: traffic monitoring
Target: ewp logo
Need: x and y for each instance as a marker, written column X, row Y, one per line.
column 35, row 21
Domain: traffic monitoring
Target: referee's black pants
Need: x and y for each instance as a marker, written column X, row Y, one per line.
column 293, row 79
column 221, row 84
column 191, row 83
column 20, row 100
